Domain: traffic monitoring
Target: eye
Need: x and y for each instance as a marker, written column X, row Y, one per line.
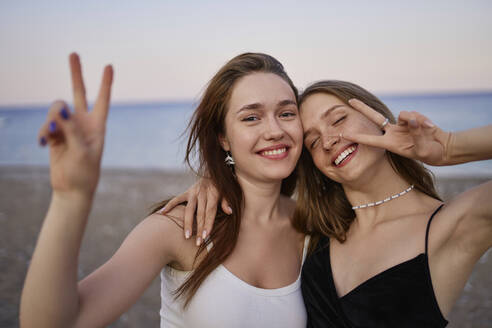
column 340, row 120
column 314, row 143
column 288, row 114
column 250, row 118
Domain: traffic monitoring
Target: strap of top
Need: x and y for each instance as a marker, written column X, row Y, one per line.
column 305, row 248
column 428, row 226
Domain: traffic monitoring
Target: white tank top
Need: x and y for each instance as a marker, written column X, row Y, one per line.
column 224, row 300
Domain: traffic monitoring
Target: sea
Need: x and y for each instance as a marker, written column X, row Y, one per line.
column 153, row 134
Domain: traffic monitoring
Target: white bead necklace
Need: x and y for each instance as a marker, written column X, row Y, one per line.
column 384, row 200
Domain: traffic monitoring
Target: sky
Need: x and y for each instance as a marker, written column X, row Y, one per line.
column 168, row 50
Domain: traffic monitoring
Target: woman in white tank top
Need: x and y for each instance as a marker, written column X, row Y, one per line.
column 247, row 136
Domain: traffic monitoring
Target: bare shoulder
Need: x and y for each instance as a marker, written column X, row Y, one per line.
column 171, row 225
column 174, row 216
column 166, row 231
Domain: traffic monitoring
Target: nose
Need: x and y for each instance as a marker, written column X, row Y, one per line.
column 273, row 130
column 329, row 141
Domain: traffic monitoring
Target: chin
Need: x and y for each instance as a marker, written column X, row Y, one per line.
column 277, row 174
column 348, row 176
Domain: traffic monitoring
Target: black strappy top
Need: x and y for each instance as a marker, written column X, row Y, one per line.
column 401, row 296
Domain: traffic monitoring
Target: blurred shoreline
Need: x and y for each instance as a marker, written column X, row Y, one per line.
column 124, row 197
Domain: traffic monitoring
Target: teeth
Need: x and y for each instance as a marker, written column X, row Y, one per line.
column 274, row 152
column 344, row 154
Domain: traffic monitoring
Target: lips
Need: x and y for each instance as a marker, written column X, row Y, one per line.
column 274, row 152
column 344, row 155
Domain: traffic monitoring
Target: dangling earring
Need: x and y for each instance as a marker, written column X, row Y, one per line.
column 229, row 160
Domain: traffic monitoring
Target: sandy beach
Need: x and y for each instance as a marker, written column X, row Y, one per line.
column 123, row 199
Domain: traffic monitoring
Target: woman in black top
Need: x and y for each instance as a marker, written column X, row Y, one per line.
column 381, row 263
column 376, row 260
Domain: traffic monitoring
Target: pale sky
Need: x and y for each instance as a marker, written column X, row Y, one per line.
column 168, row 50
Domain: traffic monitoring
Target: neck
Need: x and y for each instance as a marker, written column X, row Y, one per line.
column 377, row 185
column 261, row 199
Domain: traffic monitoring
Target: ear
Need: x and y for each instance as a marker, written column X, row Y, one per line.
column 224, row 143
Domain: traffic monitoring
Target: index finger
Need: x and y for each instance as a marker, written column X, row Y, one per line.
column 173, row 203
column 368, row 112
column 367, row 139
column 79, row 100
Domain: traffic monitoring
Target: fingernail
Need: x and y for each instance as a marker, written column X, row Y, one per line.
column 42, row 141
column 429, row 124
column 52, row 126
column 187, row 234
column 414, row 124
column 204, row 234
column 198, row 241
column 64, row 113
column 230, row 209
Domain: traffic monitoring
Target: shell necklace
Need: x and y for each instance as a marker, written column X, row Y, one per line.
column 384, row 200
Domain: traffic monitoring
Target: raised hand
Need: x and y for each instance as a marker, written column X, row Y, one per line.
column 76, row 139
column 203, row 198
column 414, row 136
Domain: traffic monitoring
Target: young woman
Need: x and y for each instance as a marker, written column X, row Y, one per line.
column 247, row 134
column 376, row 262
column 382, row 263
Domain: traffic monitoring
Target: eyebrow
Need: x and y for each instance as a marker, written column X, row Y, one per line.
column 325, row 114
column 281, row 103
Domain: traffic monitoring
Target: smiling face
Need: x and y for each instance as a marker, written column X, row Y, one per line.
column 263, row 130
column 324, row 118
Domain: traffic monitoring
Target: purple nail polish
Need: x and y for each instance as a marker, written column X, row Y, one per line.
column 42, row 141
column 52, row 126
column 64, row 113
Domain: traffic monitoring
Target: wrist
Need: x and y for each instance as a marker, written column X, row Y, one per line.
column 449, row 151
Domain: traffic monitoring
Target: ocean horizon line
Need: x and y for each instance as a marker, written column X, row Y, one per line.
column 186, row 170
column 154, row 103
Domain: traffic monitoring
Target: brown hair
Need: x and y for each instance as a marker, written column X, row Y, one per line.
column 322, row 207
column 205, row 127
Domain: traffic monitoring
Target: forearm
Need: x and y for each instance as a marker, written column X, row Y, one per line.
column 470, row 145
column 50, row 294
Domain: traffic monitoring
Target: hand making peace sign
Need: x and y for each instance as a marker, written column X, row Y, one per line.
column 76, row 139
column 414, row 136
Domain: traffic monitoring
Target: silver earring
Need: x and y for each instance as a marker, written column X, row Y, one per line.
column 229, row 160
